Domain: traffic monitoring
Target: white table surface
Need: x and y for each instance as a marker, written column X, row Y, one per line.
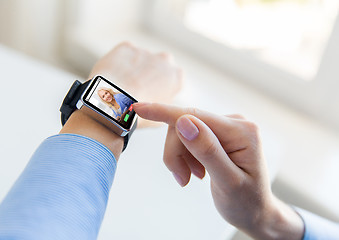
column 145, row 201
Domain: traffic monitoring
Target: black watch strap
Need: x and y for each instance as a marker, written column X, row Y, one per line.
column 69, row 105
column 128, row 136
column 70, row 101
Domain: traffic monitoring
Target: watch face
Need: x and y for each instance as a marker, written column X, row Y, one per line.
column 110, row 101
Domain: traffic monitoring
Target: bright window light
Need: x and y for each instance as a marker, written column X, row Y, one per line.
column 290, row 34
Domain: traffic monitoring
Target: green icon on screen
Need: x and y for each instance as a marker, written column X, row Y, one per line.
column 126, row 117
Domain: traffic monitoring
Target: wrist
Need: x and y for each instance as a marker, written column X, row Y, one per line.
column 278, row 221
column 82, row 124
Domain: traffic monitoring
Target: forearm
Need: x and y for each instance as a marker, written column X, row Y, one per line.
column 82, row 124
column 62, row 193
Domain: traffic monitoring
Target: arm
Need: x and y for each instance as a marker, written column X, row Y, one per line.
column 63, row 191
column 81, row 124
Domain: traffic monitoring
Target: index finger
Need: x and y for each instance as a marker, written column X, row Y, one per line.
column 236, row 129
column 168, row 113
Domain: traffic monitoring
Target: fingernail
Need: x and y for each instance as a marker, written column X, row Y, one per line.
column 187, row 128
column 178, row 179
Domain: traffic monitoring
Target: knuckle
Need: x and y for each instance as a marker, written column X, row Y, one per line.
column 192, row 111
column 253, row 131
column 165, row 55
column 125, row 44
column 252, row 127
column 238, row 116
column 210, row 150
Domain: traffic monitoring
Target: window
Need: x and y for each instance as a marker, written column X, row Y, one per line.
column 288, row 34
column 286, row 48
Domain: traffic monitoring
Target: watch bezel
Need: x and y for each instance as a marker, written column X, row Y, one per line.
column 122, row 130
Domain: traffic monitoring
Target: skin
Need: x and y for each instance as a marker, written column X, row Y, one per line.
column 82, row 124
column 147, row 76
column 129, row 67
column 229, row 148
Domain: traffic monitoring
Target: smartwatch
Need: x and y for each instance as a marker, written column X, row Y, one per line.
column 103, row 101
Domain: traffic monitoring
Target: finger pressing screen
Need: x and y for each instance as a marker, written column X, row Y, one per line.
column 168, row 113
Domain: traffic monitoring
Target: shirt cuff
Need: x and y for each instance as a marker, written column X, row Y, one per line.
column 317, row 227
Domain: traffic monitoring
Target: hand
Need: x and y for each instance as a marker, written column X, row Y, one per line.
column 146, row 76
column 229, row 148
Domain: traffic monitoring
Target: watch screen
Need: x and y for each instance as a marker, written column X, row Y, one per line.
column 111, row 101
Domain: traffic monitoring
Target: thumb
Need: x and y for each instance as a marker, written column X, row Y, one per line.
column 205, row 147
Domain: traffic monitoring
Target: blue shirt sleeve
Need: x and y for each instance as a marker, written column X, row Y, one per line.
column 62, row 193
column 317, row 228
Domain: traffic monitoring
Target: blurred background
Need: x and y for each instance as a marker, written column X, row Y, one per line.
column 285, row 48
column 276, row 61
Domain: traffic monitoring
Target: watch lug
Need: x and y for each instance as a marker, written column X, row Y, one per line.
column 79, row 104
